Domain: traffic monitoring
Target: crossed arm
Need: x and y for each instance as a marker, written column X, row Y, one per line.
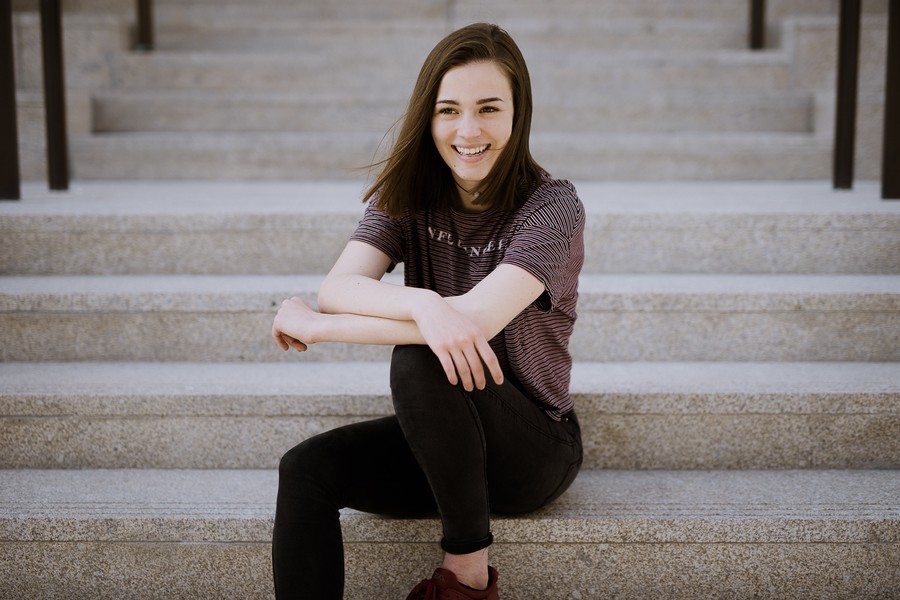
column 357, row 307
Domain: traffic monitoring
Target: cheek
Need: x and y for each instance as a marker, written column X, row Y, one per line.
column 440, row 130
column 507, row 131
column 438, row 136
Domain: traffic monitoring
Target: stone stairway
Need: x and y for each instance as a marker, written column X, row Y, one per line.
column 737, row 366
column 286, row 90
column 737, row 372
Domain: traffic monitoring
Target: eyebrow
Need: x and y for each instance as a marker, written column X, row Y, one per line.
column 478, row 102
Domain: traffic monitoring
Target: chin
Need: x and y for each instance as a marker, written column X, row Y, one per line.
column 470, row 179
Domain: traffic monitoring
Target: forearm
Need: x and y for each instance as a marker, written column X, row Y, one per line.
column 363, row 329
column 362, row 295
column 456, row 340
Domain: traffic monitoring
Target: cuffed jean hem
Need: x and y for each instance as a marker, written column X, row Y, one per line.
column 466, row 547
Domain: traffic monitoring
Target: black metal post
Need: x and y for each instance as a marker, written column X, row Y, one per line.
column 890, row 168
column 145, row 25
column 847, row 75
column 10, row 182
column 54, row 95
column 757, row 24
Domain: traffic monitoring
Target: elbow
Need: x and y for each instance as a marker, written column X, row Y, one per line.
column 325, row 299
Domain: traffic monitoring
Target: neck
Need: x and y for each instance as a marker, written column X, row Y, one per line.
column 468, row 200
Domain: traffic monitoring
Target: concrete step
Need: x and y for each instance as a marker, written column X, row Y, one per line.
column 633, row 415
column 585, row 155
column 186, row 31
column 729, row 9
column 186, row 111
column 219, row 32
column 238, row 72
column 92, row 39
column 678, row 535
column 621, row 318
column 505, row 11
column 468, row 10
column 677, row 111
column 312, row 9
column 317, row 9
column 236, row 227
column 686, row 156
column 88, row 41
column 210, row 111
column 670, row 77
column 812, row 42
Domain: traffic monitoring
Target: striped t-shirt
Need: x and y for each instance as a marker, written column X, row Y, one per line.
column 449, row 251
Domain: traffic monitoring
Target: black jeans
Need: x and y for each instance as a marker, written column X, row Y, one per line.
column 461, row 454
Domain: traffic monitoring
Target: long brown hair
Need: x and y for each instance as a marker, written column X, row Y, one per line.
column 415, row 177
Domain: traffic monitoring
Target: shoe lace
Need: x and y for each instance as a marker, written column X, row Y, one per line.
column 426, row 590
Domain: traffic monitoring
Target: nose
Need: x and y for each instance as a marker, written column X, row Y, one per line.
column 469, row 127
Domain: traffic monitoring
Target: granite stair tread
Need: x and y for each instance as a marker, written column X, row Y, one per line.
column 585, row 155
column 236, row 71
column 197, row 32
column 678, row 535
column 228, row 293
column 788, row 506
column 622, row 317
column 322, row 388
column 665, row 415
column 188, row 110
column 674, row 201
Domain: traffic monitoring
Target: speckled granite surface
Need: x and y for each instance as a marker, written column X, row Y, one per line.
column 634, row 415
column 208, row 227
column 155, row 534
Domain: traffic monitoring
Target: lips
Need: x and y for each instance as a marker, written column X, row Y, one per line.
column 472, row 150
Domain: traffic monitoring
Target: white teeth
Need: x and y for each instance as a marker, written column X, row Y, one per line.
column 471, row 151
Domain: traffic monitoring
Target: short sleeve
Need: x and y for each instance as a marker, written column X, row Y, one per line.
column 548, row 241
column 381, row 231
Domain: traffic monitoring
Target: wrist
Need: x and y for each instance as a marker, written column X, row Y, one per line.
column 315, row 328
column 424, row 302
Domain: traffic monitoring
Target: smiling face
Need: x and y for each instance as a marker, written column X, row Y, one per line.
column 472, row 123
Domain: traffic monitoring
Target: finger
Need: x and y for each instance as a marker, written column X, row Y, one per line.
column 463, row 370
column 490, row 360
column 285, row 341
column 476, row 367
column 449, row 368
column 279, row 339
column 294, row 343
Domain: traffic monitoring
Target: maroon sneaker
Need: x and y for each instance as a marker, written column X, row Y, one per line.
column 443, row 585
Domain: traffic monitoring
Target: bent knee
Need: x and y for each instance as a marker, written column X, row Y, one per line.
column 414, row 366
column 305, row 458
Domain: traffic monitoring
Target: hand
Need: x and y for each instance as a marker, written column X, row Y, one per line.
column 458, row 343
column 294, row 324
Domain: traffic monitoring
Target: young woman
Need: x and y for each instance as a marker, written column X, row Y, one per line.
column 492, row 247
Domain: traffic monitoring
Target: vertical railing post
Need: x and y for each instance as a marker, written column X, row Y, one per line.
column 845, row 111
column 890, row 168
column 10, row 182
column 757, row 24
column 145, row 25
column 54, row 95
